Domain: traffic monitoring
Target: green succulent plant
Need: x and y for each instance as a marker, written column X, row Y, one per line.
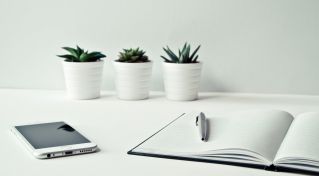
column 184, row 56
column 132, row 56
column 79, row 55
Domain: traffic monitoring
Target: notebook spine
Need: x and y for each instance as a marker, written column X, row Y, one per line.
column 271, row 168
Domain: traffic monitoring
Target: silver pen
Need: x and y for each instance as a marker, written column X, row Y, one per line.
column 201, row 124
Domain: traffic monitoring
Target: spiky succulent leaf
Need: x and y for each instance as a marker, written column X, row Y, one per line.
column 68, row 57
column 195, row 59
column 184, row 47
column 186, row 56
column 166, row 60
column 171, row 54
column 194, row 52
column 93, row 56
column 72, row 51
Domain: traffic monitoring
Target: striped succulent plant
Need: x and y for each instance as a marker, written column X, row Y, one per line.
column 184, row 55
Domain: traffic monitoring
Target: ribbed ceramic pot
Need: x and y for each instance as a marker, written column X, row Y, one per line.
column 83, row 79
column 132, row 80
column 181, row 81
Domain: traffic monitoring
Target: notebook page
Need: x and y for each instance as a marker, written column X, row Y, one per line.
column 302, row 140
column 258, row 131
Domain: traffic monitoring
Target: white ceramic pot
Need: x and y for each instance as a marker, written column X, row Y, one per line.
column 181, row 81
column 132, row 80
column 83, row 79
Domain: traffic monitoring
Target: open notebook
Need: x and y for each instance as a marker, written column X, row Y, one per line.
column 270, row 139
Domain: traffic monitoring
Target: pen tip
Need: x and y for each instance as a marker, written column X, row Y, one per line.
column 203, row 139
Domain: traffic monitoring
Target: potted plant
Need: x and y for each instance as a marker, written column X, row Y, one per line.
column 181, row 73
column 133, row 73
column 83, row 73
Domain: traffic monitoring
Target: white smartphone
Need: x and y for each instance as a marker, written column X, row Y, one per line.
column 50, row 140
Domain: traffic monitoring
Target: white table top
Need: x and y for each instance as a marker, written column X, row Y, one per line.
column 99, row 118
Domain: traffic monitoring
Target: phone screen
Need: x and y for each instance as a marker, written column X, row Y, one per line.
column 54, row 134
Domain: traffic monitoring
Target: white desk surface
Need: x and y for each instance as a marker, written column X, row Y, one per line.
column 100, row 118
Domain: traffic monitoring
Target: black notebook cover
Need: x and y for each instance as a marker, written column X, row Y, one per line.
column 268, row 168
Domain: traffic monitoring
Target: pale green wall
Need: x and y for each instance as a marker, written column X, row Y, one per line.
column 247, row 45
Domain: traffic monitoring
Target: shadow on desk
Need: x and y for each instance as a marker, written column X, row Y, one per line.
column 246, row 98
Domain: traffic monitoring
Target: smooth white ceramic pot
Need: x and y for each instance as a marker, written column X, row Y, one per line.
column 132, row 80
column 83, row 79
column 181, row 81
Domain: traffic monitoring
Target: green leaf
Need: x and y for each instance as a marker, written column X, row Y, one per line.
column 72, row 51
column 68, row 57
column 171, row 54
column 185, row 54
column 195, row 60
column 184, row 47
column 96, row 54
column 79, row 50
column 144, row 59
column 134, row 58
column 132, row 55
column 195, row 51
column 188, row 48
column 181, row 59
column 84, row 57
column 166, row 60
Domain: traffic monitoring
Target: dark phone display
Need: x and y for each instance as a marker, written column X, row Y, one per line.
column 51, row 135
